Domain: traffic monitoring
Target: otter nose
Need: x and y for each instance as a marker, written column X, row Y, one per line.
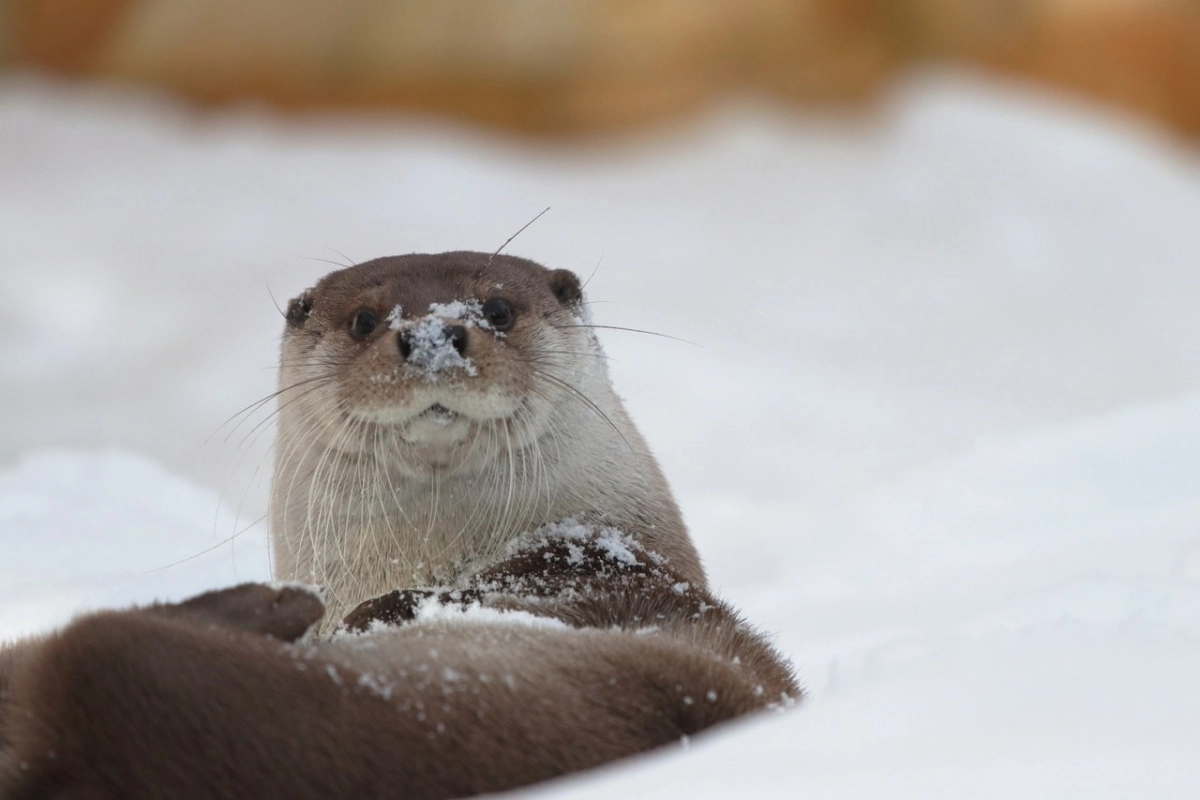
column 456, row 335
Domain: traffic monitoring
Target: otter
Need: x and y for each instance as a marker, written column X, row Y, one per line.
column 434, row 407
column 509, row 592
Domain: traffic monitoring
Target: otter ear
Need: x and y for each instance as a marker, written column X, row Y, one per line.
column 565, row 285
column 299, row 309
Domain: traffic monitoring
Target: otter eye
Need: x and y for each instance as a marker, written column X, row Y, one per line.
column 363, row 323
column 499, row 314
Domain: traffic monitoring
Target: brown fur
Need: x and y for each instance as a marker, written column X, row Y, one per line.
column 195, row 700
column 12, row 658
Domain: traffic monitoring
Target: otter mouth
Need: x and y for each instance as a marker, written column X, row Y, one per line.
column 438, row 413
column 434, row 414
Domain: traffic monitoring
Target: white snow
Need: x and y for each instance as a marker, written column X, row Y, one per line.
column 433, row 611
column 617, row 546
column 941, row 434
column 468, row 312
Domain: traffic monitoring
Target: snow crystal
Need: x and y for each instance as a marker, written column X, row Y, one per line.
column 617, row 546
column 333, row 674
column 376, row 685
column 393, row 318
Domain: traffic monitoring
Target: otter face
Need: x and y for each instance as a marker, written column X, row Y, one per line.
column 432, row 361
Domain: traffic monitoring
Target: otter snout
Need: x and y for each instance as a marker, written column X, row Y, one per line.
column 435, row 344
column 453, row 335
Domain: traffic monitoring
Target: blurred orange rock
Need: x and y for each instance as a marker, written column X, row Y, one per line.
column 61, row 35
column 1145, row 56
column 579, row 65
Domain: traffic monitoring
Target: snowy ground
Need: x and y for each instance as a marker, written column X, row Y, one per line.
column 939, row 430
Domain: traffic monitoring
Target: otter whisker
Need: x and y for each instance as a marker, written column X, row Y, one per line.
column 346, row 258
column 326, row 260
column 261, row 424
column 253, row 407
column 314, row 478
column 518, row 233
column 574, row 392
column 547, row 355
column 299, row 364
column 218, row 545
column 630, row 330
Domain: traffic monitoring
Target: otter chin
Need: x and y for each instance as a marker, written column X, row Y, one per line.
column 433, row 408
column 437, row 426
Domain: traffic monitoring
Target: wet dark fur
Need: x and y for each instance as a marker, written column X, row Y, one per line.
column 201, row 699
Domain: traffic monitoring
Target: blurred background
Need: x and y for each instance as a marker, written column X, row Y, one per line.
column 936, row 421
column 581, row 66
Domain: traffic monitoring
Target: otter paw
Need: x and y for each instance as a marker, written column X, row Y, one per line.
column 283, row 613
column 393, row 608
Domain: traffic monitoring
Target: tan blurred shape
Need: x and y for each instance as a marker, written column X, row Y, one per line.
column 579, row 65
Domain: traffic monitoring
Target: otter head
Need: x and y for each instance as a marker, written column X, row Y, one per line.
column 443, row 361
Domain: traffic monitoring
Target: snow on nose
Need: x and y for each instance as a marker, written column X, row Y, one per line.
column 438, row 342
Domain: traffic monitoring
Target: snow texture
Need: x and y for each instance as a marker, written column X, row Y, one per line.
column 941, row 434
column 468, row 312
column 431, row 610
column 617, row 546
